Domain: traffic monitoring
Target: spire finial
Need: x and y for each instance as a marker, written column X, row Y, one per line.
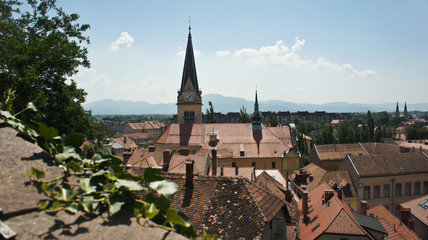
column 190, row 28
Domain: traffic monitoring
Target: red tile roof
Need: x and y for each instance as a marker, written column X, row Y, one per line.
column 232, row 208
column 418, row 211
column 338, row 151
column 233, row 136
column 147, row 125
column 396, row 230
column 332, row 218
column 126, row 142
column 143, row 158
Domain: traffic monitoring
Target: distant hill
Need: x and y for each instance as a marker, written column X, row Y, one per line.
column 232, row 104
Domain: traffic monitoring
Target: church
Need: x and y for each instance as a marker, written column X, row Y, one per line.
column 236, row 144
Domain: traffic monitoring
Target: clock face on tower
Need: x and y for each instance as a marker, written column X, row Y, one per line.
column 189, row 97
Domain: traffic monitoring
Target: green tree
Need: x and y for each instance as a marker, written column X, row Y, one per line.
column 244, row 117
column 211, row 116
column 41, row 49
column 370, row 125
column 273, row 119
column 327, row 136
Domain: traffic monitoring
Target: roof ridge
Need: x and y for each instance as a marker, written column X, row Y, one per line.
column 263, row 188
column 252, row 198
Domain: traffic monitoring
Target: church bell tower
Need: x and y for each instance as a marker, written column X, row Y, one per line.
column 189, row 99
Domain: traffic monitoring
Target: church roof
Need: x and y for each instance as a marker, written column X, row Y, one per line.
column 189, row 70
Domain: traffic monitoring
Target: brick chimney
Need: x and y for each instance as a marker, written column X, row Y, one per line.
column 363, row 207
column 328, row 194
column 214, row 162
column 305, row 205
column 189, row 172
column 166, row 159
column 339, row 192
column 405, row 215
column 236, row 170
column 411, row 224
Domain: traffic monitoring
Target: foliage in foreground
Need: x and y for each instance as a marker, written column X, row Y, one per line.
column 94, row 183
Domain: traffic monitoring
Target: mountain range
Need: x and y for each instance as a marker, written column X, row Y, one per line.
column 232, row 104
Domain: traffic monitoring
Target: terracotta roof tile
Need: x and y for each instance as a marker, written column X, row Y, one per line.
column 392, row 225
column 143, row 158
column 339, row 151
column 390, row 163
column 233, row 137
column 232, row 208
column 334, row 217
column 418, row 211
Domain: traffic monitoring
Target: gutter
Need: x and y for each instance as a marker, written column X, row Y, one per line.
column 353, row 165
column 363, row 148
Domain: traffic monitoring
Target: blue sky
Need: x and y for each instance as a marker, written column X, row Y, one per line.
column 298, row 51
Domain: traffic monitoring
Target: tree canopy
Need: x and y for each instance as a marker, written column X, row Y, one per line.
column 244, row 117
column 40, row 50
column 211, row 116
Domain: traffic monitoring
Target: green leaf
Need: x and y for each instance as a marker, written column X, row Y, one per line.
column 85, row 185
column 176, row 218
column 162, row 203
column 75, row 140
column 48, row 187
column 68, row 153
column 99, row 173
column 72, row 207
column 31, row 106
column 74, row 166
column 109, row 187
column 65, row 195
column 116, row 201
column 164, row 187
column 45, row 131
column 57, row 206
column 131, row 185
column 87, row 203
column 150, row 211
column 36, row 173
column 151, row 174
column 43, row 204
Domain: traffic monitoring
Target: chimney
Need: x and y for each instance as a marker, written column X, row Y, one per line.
column 214, row 162
column 363, row 207
column 166, row 159
column 152, row 148
column 236, row 170
column 305, row 205
column 126, row 157
column 221, row 171
column 328, row 194
column 189, row 172
column 411, row 224
column 405, row 215
column 339, row 192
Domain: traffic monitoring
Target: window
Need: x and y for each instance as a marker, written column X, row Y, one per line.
column 273, row 164
column 425, row 187
column 398, row 190
column 417, row 188
column 367, row 192
column 407, row 189
column 233, row 164
column 386, row 190
column 253, row 164
column 376, row 191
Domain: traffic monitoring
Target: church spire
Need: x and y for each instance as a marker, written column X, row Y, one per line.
column 256, row 118
column 189, row 70
column 405, row 109
column 397, row 111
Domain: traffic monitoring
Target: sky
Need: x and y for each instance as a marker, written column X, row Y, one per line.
column 297, row 51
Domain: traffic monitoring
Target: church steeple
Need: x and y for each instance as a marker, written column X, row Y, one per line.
column 189, row 70
column 256, row 118
column 405, row 109
column 189, row 99
column 397, row 111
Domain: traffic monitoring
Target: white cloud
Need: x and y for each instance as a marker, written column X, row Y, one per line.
column 222, row 53
column 321, row 63
column 124, row 41
column 278, row 54
column 182, row 53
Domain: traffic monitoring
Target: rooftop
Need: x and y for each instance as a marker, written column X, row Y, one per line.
column 419, row 208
